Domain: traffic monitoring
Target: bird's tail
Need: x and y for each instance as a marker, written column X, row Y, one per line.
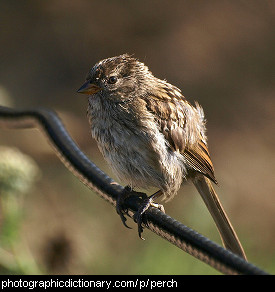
column 226, row 230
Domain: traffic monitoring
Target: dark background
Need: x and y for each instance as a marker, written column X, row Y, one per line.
column 220, row 53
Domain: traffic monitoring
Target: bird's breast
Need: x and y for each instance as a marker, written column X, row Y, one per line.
column 137, row 151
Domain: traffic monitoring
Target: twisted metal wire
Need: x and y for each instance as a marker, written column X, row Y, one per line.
column 88, row 173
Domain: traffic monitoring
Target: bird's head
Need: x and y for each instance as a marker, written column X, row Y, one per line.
column 117, row 78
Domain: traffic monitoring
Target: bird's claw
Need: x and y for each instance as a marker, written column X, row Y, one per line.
column 119, row 205
column 139, row 215
column 146, row 203
column 126, row 193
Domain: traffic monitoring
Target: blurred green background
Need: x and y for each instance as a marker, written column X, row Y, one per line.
column 220, row 53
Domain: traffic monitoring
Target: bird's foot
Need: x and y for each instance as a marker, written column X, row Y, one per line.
column 145, row 205
column 126, row 193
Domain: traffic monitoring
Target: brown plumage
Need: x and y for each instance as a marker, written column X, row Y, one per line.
column 152, row 136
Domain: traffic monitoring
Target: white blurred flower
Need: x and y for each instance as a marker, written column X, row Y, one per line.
column 17, row 171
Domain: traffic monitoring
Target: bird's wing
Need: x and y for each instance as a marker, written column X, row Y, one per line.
column 198, row 159
column 171, row 115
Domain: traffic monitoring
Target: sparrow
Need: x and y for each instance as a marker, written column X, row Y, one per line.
column 152, row 136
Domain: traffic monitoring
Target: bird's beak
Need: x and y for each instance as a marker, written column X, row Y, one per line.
column 88, row 88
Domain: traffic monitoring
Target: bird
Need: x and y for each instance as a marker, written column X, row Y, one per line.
column 152, row 136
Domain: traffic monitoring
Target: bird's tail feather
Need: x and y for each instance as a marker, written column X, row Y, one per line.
column 226, row 230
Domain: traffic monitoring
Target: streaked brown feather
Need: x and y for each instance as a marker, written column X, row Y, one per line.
column 171, row 124
column 198, row 158
column 170, row 115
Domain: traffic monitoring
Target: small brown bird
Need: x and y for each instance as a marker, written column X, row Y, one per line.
column 152, row 137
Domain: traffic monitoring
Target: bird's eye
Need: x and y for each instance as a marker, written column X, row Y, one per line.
column 112, row 79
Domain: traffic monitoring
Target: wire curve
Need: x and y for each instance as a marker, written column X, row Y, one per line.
column 94, row 178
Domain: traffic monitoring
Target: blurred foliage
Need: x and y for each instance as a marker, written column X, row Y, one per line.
column 17, row 174
column 220, row 53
